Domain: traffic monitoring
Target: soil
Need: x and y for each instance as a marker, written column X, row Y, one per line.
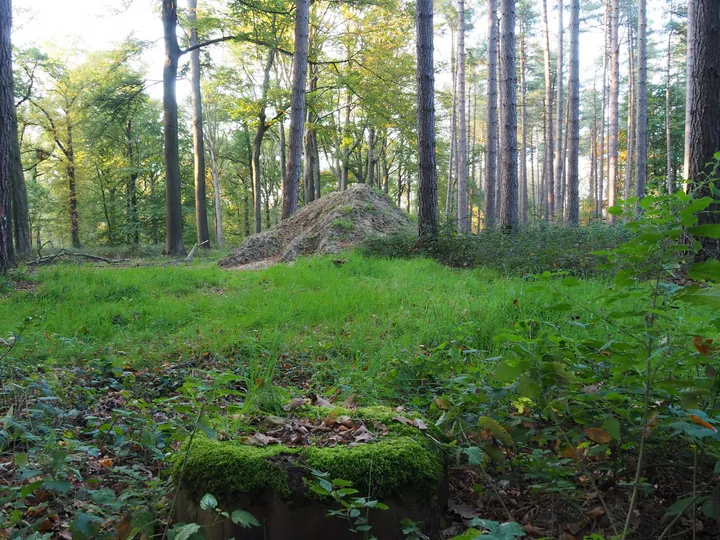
column 330, row 224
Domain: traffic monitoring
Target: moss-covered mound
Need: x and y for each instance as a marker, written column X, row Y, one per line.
column 401, row 456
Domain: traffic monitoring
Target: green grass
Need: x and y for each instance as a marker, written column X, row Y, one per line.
column 347, row 321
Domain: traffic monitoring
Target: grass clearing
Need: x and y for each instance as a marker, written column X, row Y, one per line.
column 349, row 316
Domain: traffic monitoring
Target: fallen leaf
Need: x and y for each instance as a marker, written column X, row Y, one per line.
column 362, row 435
column 531, row 530
column 441, row 403
column 597, row 435
column 595, row 512
column 318, row 401
column 259, row 439
column 294, row 403
column 402, row 420
column 703, row 346
column 419, row 424
column 699, row 421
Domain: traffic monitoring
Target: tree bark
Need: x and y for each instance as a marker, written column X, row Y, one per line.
column 291, row 185
column 492, row 118
column 20, row 211
column 689, row 85
column 131, row 188
column 257, row 141
column 573, row 172
column 462, row 200
column 601, row 156
column 8, row 136
column 508, row 90
column 523, row 131
column 370, row 157
column 629, row 169
column 72, row 188
column 548, row 180
column 614, row 99
column 705, row 118
column 453, row 128
column 345, row 170
column 670, row 181
column 216, row 195
column 641, row 138
column 559, row 103
column 173, row 219
column 201, row 219
column 427, row 200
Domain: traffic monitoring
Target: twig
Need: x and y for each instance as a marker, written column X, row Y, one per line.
column 182, row 472
column 194, row 249
column 63, row 252
column 666, row 530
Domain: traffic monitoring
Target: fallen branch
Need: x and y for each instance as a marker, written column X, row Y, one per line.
column 194, row 249
column 47, row 259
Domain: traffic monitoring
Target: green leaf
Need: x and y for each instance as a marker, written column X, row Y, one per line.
column 705, row 271
column 86, row 525
column 208, row 502
column 185, row 531
column 475, row 455
column 143, row 521
column 21, row 460
column 571, row 281
column 615, row 210
column 505, row 372
column 244, row 519
column 59, row 486
column 612, row 426
column 703, row 297
column 709, row 230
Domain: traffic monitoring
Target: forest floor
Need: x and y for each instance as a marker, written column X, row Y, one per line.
column 108, row 359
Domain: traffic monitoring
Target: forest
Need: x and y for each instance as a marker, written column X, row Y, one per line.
column 393, row 269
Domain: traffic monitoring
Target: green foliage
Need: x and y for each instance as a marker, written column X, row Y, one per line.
column 529, row 250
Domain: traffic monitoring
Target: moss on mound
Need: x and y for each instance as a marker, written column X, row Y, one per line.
column 405, row 458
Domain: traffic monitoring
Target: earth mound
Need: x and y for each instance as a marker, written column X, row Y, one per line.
column 330, row 224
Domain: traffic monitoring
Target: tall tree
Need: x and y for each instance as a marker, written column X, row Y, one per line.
column 201, row 219
column 614, row 101
column 291, row 185
column 629, row 169
column 508, row 90
column 641, row 138
column 523, row 127
column 262, row 127
column 689, row 85
column 173, row 218
column 573, row 181
column 8, row 134
column 427, row 199
column 670, row 180
column 705, row 132
column 601, row 155
column 492, row 117
column 548, row 178
column 462, row 206
column 559, row 102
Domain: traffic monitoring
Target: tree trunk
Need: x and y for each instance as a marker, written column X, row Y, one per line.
column 216, row 195
column 573, row 172
column 548, row 181
column 291, row 186
column 257, row 142
column 20, row 211
column 370, row 159
column 492, row 119
column 173, row 220
column 201, row 219
column 523, row 132
column 72, row 190
column 689, row 85
column 601, row 156
column 131, row 188
column 705, row 132
column 629, row 169
column 559, row 102
column 8, row 137
column 641, row 139
column 462, row 203
column 614, row 99
column 345, row 172
column 427, row 200
column 453, row 128
column 508, row 90
column 668, row 131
